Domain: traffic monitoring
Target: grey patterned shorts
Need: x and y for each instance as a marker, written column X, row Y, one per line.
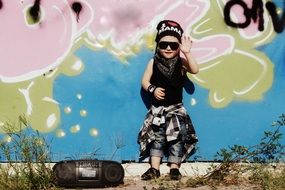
column 172, row 149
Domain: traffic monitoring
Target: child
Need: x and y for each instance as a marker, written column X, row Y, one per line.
column 167, row 129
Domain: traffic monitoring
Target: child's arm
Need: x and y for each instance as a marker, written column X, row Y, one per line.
column 147, row 75
column 189, row 62
column 158, row 92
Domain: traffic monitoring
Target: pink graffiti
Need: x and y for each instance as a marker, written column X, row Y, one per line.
column 212, row 47
column 29, row 50
column 128, row 19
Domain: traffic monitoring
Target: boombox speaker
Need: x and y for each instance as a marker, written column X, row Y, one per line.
column 88, row 173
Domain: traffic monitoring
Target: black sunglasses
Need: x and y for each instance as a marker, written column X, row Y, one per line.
column 172, row 45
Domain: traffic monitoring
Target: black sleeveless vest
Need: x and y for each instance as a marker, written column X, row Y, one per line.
column 173, row 86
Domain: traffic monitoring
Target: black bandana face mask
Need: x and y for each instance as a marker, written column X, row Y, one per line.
column 166, row 66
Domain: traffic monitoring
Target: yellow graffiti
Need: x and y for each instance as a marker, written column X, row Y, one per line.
column 83, row 113
column 34, row 99
column 60, row 133
column 75, row 128
column 243, row 74
column 93, row 132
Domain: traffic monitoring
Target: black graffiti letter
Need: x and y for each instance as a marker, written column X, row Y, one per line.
column 277, row 24
column 77, row 7
column 35, row 10
column 257, row 12
column 246, row 12
column 1, row 4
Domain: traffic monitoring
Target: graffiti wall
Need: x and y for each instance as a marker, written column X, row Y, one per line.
column 73, row 68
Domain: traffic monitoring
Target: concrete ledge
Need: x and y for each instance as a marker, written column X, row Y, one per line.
column 191, row 169
column 137, row 169
column 134, row 169
column 186, row 169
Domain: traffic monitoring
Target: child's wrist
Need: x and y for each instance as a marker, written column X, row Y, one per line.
column 185, row 52
column 151, row 88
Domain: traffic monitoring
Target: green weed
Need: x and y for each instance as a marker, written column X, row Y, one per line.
column 24, row 159
column 252, row 165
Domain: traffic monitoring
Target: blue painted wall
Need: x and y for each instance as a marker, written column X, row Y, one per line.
column 88, row 100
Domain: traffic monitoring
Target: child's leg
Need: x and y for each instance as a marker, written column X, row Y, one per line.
column 174, row 165
column 153, row 172
column 176, row 152
column 174, row 159
column 158, row 146
column 156, row 154
column 155, row 162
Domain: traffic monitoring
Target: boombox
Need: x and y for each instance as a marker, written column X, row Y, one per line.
column 88, row 173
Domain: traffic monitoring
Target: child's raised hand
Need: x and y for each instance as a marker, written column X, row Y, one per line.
column 186, row 44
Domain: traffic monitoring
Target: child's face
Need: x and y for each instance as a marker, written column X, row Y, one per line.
column 168, row 46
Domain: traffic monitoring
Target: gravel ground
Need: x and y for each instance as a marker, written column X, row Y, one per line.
column 134, row 183
column 133, row 171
